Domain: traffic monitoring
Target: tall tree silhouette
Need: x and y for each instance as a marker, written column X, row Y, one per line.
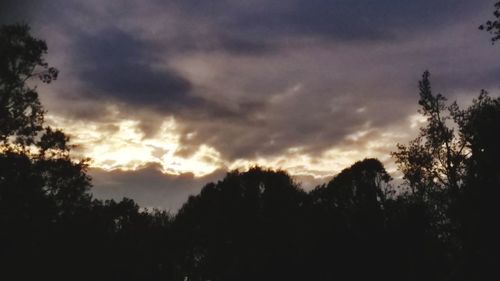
column 40, row 186
column 433, row 165
column 50, row 227
column 451, row 171
column 478, row 208
column 435, row 159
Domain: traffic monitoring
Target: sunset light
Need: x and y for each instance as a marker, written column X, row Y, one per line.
column 238, row 140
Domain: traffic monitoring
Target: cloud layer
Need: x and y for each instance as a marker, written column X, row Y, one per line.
column 306, row 85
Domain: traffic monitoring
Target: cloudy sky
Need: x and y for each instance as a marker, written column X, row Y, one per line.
column 165, row 96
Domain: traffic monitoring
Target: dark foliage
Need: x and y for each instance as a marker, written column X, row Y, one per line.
column 441, row 224
column 493, row 26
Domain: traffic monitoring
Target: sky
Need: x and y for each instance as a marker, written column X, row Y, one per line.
column 165, row 96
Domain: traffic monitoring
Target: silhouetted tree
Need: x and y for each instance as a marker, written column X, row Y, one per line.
column 435, row 159
column 493, row 26
column 349, row 222
column 40, row 186
column 21, row 59
column 50, row 227
column 363, row 185
column 477, row 208
column 452, row 173
column 433, row 165
column 245, row 227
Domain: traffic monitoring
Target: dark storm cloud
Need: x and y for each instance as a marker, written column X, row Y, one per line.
column 254, row 27
column 121, row 63
column 117, row 65
column 30, row 11
column 13, row 10
column 331, row 19
column 250, row 26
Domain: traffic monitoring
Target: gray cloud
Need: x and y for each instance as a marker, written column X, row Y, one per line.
column 333, row 19
column 256, row 78
column 117, row 65
column 149, row 187
column 12, row 11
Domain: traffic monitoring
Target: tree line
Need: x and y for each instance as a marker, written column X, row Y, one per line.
column 440, row 224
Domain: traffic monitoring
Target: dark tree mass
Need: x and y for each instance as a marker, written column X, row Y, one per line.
column 441, row 223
